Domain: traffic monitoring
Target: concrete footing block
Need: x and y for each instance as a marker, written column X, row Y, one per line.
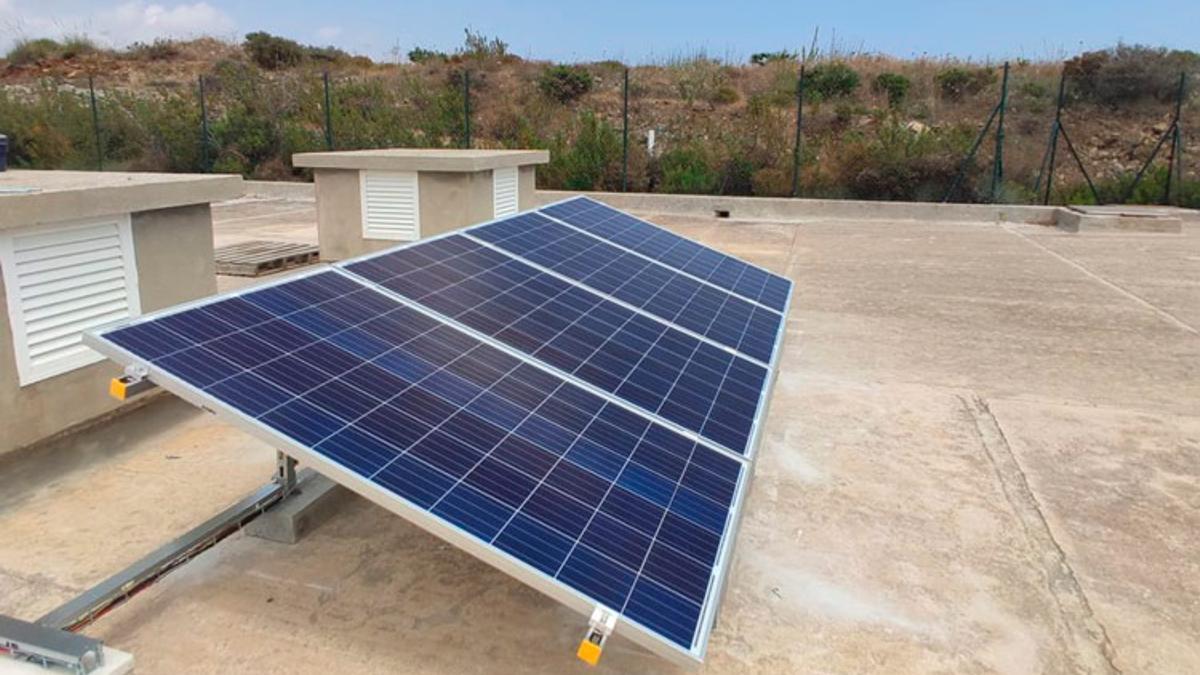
column 314, row 499
column 1115, row 219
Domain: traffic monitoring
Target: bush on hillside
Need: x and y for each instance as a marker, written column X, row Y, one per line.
column 159, row 50
column 27, row 52
column 1128, row 73
column 894, row 85
column 955, row 82
column 763, row 58
column 895, row 164
column 329, row 54
column 565, row 83
column 481, row 47
column 74, row 46
column 273, row 52
column 591, row 162
column 831, row 80
column 725, row 95
column 422, row 55
column 686, row 170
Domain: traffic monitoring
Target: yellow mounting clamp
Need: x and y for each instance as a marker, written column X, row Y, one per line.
column 132, row 383
column 600, row 626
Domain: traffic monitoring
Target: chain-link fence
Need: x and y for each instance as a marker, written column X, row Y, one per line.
column 688, row 125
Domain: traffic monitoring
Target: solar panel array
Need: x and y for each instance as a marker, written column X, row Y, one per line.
column 646, row 362
column 551, row 426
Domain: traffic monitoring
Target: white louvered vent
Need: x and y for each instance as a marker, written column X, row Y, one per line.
column 390, row 205
column 504, row 191
column 62, row 280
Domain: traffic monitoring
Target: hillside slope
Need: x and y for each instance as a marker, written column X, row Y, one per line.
column 875, row 127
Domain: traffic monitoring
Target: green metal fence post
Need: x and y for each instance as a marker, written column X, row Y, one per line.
column 998, row 162
column 96, row 125
column 1142, row 171
column 205, row 165
column 1052, row 148
column 625, row 134
column 1176, row 139
column 799, row 133
column 328, row 113
column 1079, row 161
column 962, row 168
column 466, row 109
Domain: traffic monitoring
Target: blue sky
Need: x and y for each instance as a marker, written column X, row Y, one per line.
column 633, row 31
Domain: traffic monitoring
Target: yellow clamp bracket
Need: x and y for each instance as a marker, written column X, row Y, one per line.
column 600, row 626
column 132, row 383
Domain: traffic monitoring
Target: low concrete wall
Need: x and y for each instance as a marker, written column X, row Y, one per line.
column 174, row 253
column 774, row 208
column 745, row 208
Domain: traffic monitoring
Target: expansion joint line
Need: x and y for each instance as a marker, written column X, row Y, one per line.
column 1085, row 636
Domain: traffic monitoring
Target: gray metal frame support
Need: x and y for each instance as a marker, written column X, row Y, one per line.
column 89, row 605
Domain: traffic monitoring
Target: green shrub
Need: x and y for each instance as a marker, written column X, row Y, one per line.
column 896, row 164
column 327, row 54
column 591, row 162
column 763, row 58
column 273, row 52
column 422, row 55
column 894, row 85
column 831, row 80
column 26, row 52
column 954, row 83
column 74, row 46
column 686, row 171
column 565, row 83
column 481, row 47
column 1129, row 73
column 159, row 50
column 725, row 95
column 696, row 78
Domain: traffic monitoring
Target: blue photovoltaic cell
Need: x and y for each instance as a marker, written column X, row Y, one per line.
column 674, row 251
column 619, row 508
column 643, row 361
column 717, row 314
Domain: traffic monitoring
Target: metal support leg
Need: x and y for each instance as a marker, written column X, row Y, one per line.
column 285, row 472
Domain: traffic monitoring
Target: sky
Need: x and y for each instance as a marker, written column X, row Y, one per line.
column 632, row 31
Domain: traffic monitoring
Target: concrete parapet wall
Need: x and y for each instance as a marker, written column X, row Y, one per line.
column 776, row 208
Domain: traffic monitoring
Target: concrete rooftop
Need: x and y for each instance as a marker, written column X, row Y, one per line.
column 981, row 457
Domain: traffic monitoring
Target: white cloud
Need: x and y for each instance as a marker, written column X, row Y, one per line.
column 116, row 24
column 324, row 33
column 141, row 21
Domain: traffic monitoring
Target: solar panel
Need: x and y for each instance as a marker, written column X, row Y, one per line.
column 750, row 329
column 670, row 249
column 567, row 490
column 573, row 397
column 651, row 364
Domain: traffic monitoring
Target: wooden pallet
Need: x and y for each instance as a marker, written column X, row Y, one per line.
column 255, row 258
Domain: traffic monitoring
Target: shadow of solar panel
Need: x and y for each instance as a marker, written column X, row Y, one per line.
column 566, row 490
column 649, row 363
